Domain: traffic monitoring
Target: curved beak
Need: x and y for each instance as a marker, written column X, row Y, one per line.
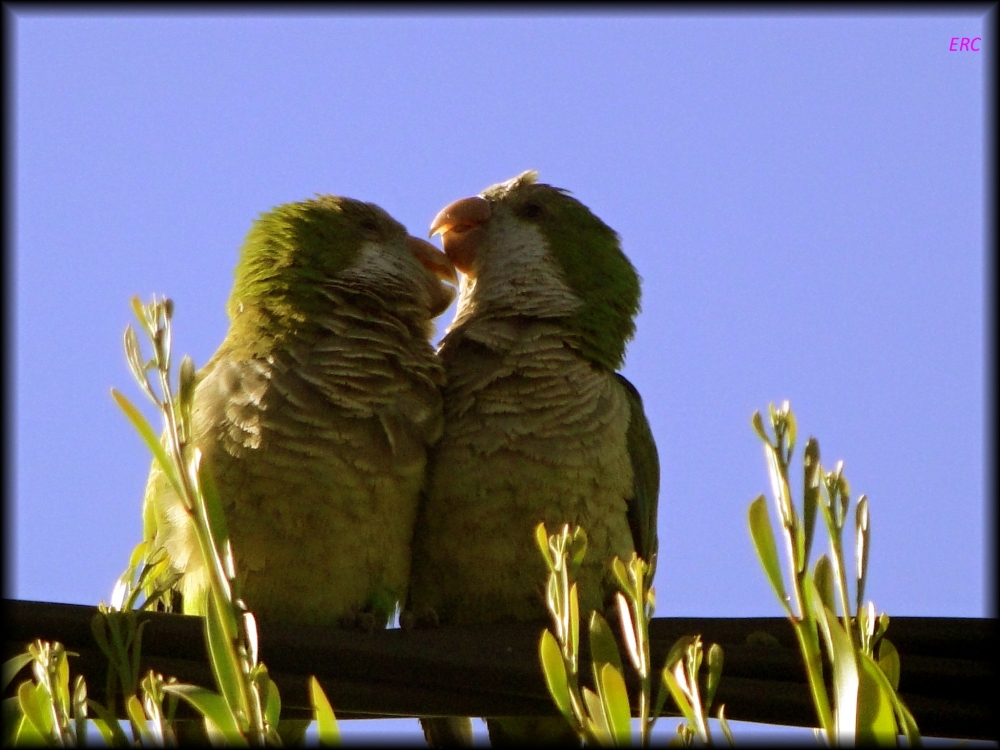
column 462, row 226
column 432, row 259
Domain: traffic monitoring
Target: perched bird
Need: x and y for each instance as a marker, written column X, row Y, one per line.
column 538, row 424
column 316, row 413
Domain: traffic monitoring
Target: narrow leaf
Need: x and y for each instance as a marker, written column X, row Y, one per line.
column 213, row 505
column 135, row 714
column 670, row 680
column 326, row 721
column 715, row 657
column 214, row 708
column 758, row 426
column 225, row 667
column 577, row 550
column 863, row 539
column 876, row 722
column 614, row 696
column 621, row 573
column 574, row 624
column 726, row 731
column 810, row 498
column 823, row 577
column 149, row 437
column 40, row 716
column 845, row 676
column 603, row 647
column 598, row 718
column 888, row 662
column 555, row 674
column 628, row 630
column 542, row 540
column 14, row 665
column 27, row 735
column 108, row 725
column 767, row 552
column 679, row 649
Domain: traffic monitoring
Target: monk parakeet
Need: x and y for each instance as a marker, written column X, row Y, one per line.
column 316, row 413
column 538, row 424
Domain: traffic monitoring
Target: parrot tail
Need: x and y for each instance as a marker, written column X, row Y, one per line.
column 447, row 731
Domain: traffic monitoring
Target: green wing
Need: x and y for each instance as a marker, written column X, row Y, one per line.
column 646, row 471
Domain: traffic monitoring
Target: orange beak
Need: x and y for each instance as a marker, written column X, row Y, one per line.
column 432, row 259
column 462, row 226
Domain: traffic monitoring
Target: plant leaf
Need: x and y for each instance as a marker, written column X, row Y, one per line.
column 614, row 697
column 678, row 694
column 542, row 540
column 621, row 573
column 598, row 720
column 272, row 706
column 555, row 674
column 29, row 696
column 326, row 721
column 863, row 542
column 810, row 497
column 108, row 725
column 574, row 625
column 149, row 437
column 726, row 731
column 603, row 647
column 876, row 722
column 628, row 631
column 214, row 708
column 767, row 552
column 758, row 426
column 823, row 578
column 12, row 666
column 27, row 734
column 135, row 714
column 576, row 550
column 715, row 657
column 845, row 675
column 888, row 662
column 225, row 667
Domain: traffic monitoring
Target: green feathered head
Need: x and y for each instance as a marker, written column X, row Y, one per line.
column 295, row 253
column 530, row 244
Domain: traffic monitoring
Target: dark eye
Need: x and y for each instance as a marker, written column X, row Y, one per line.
column 369, row 224
column 530, row 210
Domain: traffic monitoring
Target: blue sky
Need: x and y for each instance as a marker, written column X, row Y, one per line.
column 802, row 195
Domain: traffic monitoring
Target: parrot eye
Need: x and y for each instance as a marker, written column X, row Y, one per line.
column 369, row 225
column 530, row 210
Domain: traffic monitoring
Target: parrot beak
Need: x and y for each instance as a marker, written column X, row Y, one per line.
column 462, row 226
column 438, row 264
column 432, row 259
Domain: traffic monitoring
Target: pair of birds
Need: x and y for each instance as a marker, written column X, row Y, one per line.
column 360, row 470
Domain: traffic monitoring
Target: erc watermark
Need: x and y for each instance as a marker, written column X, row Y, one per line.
column 964, row 44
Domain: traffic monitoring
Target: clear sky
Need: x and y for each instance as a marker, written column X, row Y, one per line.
column 803, row 196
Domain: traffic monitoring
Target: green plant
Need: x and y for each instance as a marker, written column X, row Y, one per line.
column 44, row 710
column 681, row 677
column 864, row 665
column 602, row 716
column 248, row 705
column 247, row 708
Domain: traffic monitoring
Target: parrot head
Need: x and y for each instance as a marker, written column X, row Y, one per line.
column 531, row 249
column 296, row 253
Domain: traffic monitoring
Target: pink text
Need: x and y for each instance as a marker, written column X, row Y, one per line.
column 964, row 44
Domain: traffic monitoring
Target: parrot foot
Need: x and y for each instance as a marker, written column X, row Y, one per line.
column 424, row 617
column 407, row 620
column 359, row 620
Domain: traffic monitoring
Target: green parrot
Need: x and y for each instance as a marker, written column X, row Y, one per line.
column 315, row 415
column 538, row 426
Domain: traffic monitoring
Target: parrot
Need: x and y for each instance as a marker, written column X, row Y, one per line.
column 538, row 424
column 315, row 416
